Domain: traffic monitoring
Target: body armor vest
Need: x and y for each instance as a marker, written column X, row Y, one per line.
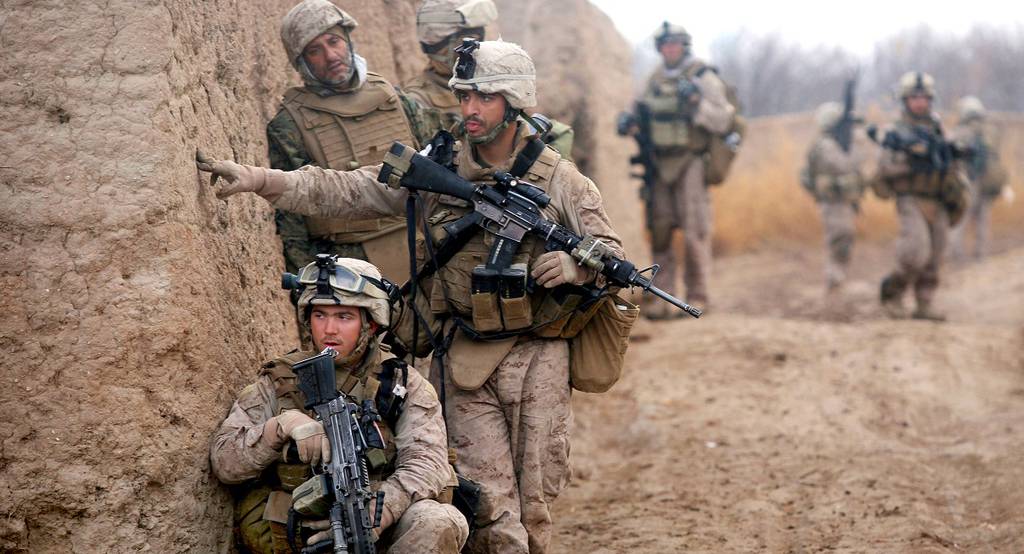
column 347, row 131
column 262, row 513
column 927, row 184
column 431, row 90
column 453, row 292
column 672, row 128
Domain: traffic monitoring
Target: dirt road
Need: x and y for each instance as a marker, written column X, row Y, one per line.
column 768, row 426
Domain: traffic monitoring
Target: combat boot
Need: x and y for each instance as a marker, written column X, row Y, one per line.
column 891, row 296
column 926, row 312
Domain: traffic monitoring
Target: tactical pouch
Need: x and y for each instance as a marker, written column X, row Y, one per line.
column 597, row 353
column 484, row 297
column 722, row 151
column 313, row 498
column 516, row 310
column 558, row 307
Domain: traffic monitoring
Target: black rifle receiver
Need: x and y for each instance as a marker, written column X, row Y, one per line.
column 512, row 209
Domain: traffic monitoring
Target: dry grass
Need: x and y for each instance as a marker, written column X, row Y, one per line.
column 762, row 202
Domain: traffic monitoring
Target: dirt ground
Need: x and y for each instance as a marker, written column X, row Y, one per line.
column 770, row 425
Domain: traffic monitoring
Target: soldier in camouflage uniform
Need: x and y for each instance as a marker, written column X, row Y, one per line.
column 343, row 117
column 508, row 409
column 986, row 173
column 441, row 26
column 688, row 102
column 928, row 201
column 412, row 470
column 833, row 177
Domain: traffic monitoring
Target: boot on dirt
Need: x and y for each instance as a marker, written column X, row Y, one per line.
column 891, row 296
column 925, row 312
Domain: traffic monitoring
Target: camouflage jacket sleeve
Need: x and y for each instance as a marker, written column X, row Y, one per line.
column 830, row 159
column 424, row 120
column 287, row 152
column 236, row 452
column 353, row 194
column 421, row 464
column 714, row 112
column 580, row 207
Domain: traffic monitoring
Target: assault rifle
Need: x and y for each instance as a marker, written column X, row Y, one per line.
column 641, row 119
column 927, row 152
column 843, row 131
column 510, row 210
column 340, row 487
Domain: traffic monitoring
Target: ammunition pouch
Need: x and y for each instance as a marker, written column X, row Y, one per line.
column 499, row 299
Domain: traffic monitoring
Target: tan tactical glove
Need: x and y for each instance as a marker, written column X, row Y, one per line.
column 323, row 526
column 309, row 436
column 242, row 178
column 556, row 268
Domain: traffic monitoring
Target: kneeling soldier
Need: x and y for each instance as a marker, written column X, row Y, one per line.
column 348, row 314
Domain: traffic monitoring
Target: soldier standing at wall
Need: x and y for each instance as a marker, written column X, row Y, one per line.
column 342, row 117
column 505, row 371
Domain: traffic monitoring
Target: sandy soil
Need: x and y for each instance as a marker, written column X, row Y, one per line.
column 774, row 425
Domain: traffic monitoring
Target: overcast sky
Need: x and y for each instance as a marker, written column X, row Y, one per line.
column 855, row 26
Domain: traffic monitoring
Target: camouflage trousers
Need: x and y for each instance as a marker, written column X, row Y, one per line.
column 512, row 436
column 978, row 215
column 838, row 218
column 924, row 227
column 427, row 527
column 681, row 201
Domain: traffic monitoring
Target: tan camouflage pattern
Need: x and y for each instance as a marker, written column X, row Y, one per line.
column 974, row 131
column 680, row 196
column 681, row 201
column 421, row 473
column 512, row 436
column 924, row 230
column 534, row 373
column 308, row 20
column 427, row 527
column 430, row 89
column 502, row 68
column 714, row 113
column 837, row 185
column 436, row 20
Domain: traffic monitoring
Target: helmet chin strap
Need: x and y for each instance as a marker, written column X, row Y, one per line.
column 510, row 115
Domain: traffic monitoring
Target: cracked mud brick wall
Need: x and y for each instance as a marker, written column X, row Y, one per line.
column 135, row 304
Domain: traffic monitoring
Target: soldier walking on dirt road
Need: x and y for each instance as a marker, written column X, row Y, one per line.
column 833, row 177
column 922, row 170
column 688, row 105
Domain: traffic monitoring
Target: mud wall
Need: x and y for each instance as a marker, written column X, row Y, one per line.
column 135, row 303
column 583, row 65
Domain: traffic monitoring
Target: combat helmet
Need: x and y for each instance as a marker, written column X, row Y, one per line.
column 308, row 20
column 828, row 114
column 496, row 67
column 970, row 108
column 667, row 32
column 334, row 281
column 917, row 82
column 437, row 21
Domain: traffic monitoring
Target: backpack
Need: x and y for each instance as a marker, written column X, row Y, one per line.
column 722, row 148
